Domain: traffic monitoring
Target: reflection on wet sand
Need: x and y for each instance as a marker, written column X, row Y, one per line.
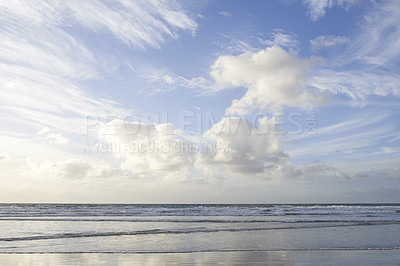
column 337, row 257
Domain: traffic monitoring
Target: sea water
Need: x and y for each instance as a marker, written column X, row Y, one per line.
column 177, row 228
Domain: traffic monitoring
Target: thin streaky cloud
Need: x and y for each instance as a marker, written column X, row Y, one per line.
column 318, row 8
column 225, row 13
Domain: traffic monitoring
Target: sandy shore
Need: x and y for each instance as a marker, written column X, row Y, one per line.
column 326, row 257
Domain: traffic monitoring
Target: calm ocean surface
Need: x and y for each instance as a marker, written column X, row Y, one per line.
column 171, row 228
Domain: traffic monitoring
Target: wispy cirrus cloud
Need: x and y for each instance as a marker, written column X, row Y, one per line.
column 327, row 41
column 44, row 60
column 281, row 39
column 46, row 64
column 366, row 135
column 317, row 8
column 160, row 81
column 368, row 64
column 233, row 45
column 138, row 23
column 225, row 13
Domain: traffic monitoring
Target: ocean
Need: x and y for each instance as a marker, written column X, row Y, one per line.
column 186, row 228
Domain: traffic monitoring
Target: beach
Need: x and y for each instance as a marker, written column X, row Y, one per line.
column 112, row 234
column 325, row 257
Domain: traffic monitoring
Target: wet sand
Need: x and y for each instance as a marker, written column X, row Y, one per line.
column 324, row 257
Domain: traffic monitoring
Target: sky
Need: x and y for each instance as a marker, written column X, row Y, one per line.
column 200, row 101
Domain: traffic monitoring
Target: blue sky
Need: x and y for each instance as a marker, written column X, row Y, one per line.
column 211, row 102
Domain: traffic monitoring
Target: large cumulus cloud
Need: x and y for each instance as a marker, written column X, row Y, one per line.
column 273, row 77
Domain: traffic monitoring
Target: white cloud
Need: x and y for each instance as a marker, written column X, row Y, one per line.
column 356, row 84
column 156, row 81
column 159, row 81
column 329, row 144
column 4, row 157
column 317, row 8
column 273, row 78
column 43, row 61
column 75, row 169
column 393, row 172
column 225, row 13
column 368, row 66
column 150, row 151
column 378, row 42
column 244, row 147
column 72, row 169
column 379, row 172
column 48, row 136
column 281, row 39
column 139, row 23
column 232, row 147
column 387, row 150
column 360, row 141
column 44, row 64
column 327, row 41
column 252, row 151
column 233, row 45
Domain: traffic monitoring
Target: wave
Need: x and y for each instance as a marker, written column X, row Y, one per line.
column 179, row 231
column 97, row 210
column 217, row 221
column 367, row 248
